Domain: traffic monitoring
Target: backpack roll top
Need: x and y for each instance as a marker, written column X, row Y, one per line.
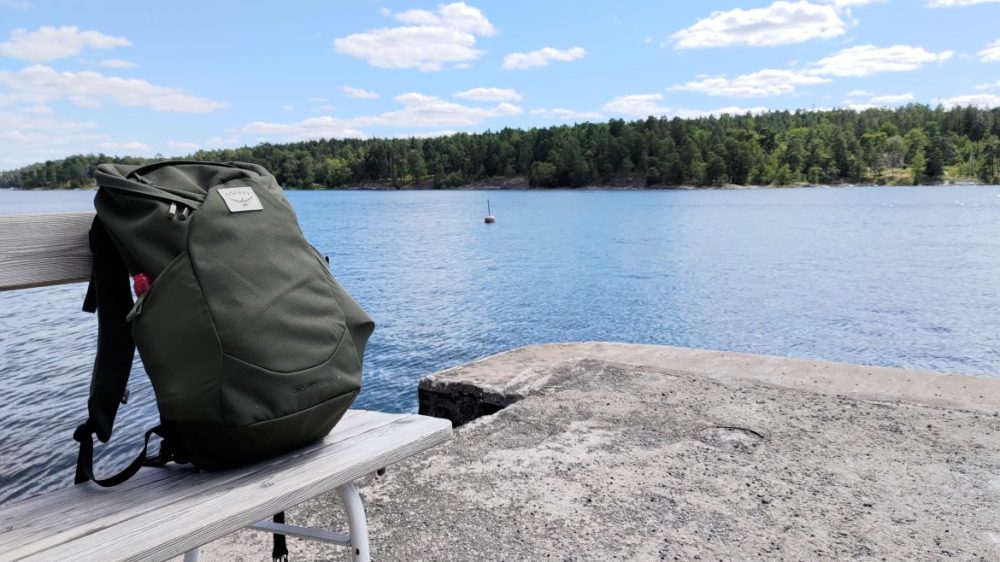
column 252, row 347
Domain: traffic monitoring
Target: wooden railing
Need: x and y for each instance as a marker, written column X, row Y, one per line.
column 41, row 250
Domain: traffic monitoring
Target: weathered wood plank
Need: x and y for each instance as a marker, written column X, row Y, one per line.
column 58, row 517
column 40, row 250
column 197, row 519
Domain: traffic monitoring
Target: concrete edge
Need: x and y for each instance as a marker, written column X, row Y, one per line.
column 486, row 385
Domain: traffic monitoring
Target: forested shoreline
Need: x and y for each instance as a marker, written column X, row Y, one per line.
column 915, row 144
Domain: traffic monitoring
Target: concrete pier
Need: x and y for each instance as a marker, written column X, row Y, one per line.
column 598, row 451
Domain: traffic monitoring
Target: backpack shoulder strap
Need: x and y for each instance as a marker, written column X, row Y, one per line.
column 110, row 296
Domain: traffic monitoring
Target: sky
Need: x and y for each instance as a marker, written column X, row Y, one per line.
column 169, row 78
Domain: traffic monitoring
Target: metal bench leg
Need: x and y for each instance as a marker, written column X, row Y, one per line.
column 356, row 520
column 191, row 555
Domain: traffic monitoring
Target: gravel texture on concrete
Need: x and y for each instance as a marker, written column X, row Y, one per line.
column 627, row 452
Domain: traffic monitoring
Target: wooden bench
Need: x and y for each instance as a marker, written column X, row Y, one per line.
column 165, row 512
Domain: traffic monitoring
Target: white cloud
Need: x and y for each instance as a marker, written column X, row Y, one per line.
column 990, row 86
column 956, row 3
column 184, row 146
column 43, row 84
column 427, row 135
column 645, row 105
column 781, row 23
column 566, row 114
column 542, row 57
column 359, row 93
column 863, row 60
column 729, row 110
column 768, row 82
column 130, row 147
column 991, row 53
column 51, row 43
column 847, row 4
column 36, row 110
column 117, row 63
column 326, row 107
column 311, row 128
column 978, row 100
column 19, row 5
column 423, row 48
column 866, row 60
column 224, row 142
column 892, row 100
column 457, row 15
column 637, row 104
column 877, row 101
column 318, row 100
column 26, row 138
column 432, row 40
column 489, row 94
column 288, row 107
column 419, row 111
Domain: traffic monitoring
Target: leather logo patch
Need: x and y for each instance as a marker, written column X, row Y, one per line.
column 240, row 199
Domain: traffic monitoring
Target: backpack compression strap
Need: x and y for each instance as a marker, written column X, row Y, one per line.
column 110, row 296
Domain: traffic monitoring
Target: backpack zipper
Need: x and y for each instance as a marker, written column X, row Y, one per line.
column 142, row 284
column 161, row 195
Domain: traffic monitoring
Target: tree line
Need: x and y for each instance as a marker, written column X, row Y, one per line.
column 911, row 144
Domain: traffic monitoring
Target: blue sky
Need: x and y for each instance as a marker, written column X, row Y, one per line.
column 145, row 78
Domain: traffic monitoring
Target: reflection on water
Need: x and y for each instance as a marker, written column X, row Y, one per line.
column 902, row 277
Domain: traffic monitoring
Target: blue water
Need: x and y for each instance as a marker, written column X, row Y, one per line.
column 904, row 277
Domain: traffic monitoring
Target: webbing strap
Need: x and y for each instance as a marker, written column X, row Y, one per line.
column 85, row 460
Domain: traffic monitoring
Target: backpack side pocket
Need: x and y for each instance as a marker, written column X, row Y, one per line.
column 180, row 350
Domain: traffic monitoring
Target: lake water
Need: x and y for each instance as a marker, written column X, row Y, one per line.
column 904, row 277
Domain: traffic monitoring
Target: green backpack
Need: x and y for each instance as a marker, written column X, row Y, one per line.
column 252, row 347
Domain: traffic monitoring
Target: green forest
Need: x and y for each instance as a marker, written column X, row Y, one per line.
column 915, row 144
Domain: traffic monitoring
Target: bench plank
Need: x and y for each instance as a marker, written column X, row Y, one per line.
column 196, row 520
column 51, row 519
column 230, row 500
column 40, row 250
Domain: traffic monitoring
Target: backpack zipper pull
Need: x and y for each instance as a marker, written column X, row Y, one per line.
column 140, row 283
column 172, row 210
column 136, row 308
